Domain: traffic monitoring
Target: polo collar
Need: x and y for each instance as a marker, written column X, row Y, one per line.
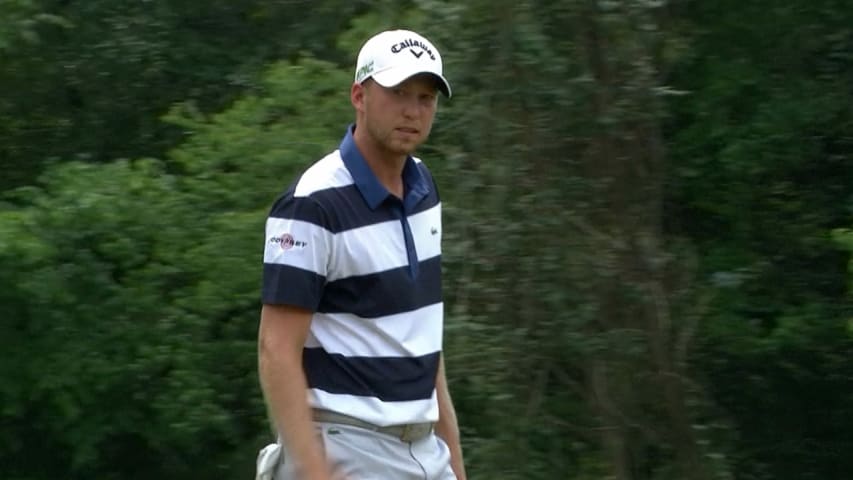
column 374, row 193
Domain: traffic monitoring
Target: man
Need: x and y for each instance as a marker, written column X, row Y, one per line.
column 353, row 311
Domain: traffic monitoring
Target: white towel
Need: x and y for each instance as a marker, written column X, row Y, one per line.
column 268, row 459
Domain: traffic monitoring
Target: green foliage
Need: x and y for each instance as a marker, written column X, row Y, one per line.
column 94, row 78
column 761, row 153
column 108, row 315
column 138, row 288
column 265, row 138
column 20, row 23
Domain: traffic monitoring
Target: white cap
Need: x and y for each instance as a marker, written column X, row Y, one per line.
column 392, row 56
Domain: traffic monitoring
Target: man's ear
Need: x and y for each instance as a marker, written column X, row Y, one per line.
column 357, row 94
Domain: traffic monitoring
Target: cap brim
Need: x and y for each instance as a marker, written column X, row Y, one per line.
column 395, row 76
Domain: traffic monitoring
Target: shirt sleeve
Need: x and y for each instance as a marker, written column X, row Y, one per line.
column 296, row 253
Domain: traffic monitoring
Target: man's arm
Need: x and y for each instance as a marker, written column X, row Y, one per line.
column 447, row 427
column 281, row 338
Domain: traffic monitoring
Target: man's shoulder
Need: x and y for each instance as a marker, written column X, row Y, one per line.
column 307, row 195
column 326, row 173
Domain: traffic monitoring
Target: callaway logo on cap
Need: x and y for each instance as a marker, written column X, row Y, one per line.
column 393, row 56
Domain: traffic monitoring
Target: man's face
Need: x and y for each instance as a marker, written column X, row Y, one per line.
column 399, row 118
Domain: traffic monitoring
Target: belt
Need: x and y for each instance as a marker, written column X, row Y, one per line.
column 408, row 433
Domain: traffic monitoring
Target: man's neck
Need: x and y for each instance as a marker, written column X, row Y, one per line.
column 387, row 166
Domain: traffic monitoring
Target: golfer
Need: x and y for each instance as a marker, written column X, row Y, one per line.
column 350, row 340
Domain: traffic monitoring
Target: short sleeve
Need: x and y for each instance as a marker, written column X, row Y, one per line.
column 296, row 253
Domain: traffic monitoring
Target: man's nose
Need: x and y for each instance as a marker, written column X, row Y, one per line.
column 411, row 106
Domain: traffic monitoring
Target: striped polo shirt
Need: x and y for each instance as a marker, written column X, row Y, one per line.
column 369, row 265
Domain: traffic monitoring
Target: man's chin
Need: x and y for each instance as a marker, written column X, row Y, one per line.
column 403, row 148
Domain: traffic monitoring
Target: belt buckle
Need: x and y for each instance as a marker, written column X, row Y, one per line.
column 414, row 431
column 407, row 434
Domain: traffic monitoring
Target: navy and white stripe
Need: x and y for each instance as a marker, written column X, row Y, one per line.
column 369, row 266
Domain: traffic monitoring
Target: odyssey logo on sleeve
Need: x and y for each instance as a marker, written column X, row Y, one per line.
column 286, row 241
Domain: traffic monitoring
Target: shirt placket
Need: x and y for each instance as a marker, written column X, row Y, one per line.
column 408, row 238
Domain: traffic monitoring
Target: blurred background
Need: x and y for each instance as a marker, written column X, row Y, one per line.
column 647, row 241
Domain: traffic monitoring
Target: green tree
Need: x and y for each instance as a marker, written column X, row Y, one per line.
column 92, row 79
column 761, row 175
column 134, row 302
column 581, row 308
